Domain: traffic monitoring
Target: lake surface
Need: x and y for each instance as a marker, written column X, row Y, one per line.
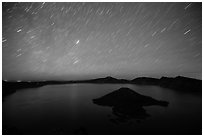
column 68, row 109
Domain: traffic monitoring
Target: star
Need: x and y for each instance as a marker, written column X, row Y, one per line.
column 49, row 39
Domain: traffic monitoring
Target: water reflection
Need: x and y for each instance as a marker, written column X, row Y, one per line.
column 127, row 104
column 69, row 109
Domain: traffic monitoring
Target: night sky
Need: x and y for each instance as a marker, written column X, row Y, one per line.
column 69, row 41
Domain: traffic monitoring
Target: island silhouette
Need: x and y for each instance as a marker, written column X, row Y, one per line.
column 127, row 104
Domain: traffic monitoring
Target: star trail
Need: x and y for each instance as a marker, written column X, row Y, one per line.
column 76, row 40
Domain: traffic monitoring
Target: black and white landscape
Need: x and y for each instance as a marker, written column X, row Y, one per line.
column 101, row 68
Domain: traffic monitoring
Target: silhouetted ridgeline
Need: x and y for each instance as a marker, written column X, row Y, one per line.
column 178, row 83
column 10, row 87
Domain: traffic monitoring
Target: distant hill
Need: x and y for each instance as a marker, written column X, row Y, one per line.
column 177, row 83
column 108, row 79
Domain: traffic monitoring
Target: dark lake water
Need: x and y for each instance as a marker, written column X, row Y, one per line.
column 68, row 109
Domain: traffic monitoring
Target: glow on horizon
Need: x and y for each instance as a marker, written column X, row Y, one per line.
column 75, row 40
